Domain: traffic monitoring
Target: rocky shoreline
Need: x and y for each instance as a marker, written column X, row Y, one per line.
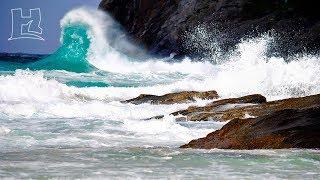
column 164, row 28
column 254, row 123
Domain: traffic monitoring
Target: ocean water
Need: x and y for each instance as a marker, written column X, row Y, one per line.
column 61, row 117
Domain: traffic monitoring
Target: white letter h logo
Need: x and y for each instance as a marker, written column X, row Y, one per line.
column 26, row 27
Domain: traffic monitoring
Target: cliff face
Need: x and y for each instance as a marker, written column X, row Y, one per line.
column 161, row 25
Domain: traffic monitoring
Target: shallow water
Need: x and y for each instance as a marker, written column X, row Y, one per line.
column 62, row 117
column 96, row 148
column 159, row 163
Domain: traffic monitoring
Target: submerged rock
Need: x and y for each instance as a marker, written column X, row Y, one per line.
column 173, row 98
column 289, row 128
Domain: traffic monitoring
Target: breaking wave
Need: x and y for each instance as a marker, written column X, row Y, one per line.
column 93, row 43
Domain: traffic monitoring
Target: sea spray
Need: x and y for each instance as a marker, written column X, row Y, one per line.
column 88, row 40
column 60, row 96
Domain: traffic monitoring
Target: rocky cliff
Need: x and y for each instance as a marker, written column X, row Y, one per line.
column 162, row 26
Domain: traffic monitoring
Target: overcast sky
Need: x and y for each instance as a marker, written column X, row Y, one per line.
column 51, row 12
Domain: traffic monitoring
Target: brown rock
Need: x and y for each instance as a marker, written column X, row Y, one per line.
column 269, row 107
column 212, row 110
column 172, row 98
column 248, row 106
column 289, row 128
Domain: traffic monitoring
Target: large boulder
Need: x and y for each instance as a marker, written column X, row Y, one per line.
column 163, row 26
column 290, row 128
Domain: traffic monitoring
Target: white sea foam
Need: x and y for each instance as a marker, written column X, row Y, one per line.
column 164, row 131
column 248, row 73
column 26, row 86
column 4, row 130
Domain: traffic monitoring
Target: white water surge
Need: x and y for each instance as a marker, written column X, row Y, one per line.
column 246, row 70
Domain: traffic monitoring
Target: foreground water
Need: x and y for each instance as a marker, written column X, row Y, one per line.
column 105, row 139
column 62, row 116
column 122, row 147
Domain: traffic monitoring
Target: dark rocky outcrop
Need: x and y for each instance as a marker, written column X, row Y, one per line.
column 161, row 25
column 290, row 128
column 172, row 98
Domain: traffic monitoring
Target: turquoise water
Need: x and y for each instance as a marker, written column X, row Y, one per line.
column 70, row 57
column 62, row 116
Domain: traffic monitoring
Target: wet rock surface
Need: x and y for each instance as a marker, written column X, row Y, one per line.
column 173, row 98
column 222, row 110
column 289, row 128
column 215, row 110
column 241, row 108
column 270, row 107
